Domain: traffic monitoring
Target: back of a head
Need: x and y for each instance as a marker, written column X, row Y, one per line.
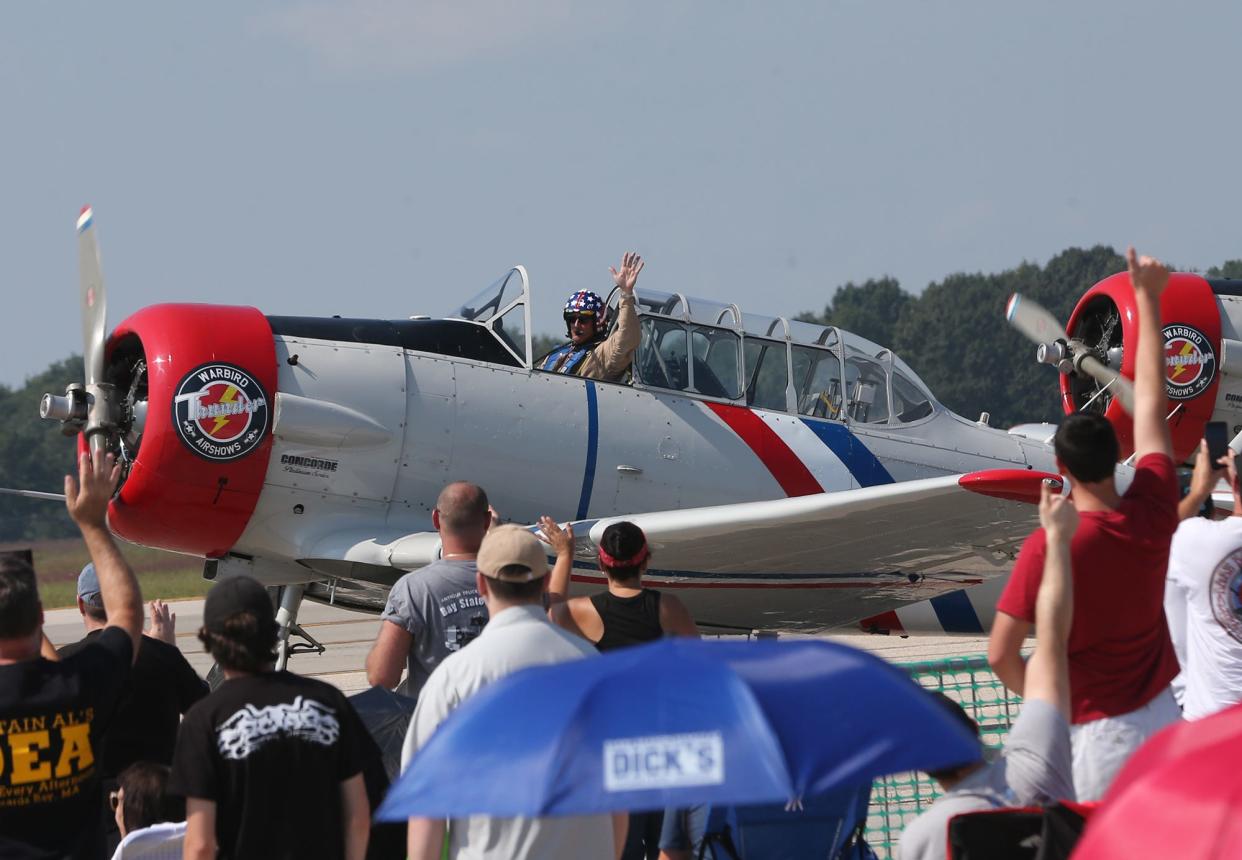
column 1087, row 446
column 239, row 625
column 19, row 599
column 90, row 595
column 146, row 800
column 622, row 550
column 463, row 509
column 955, row 710
column 514, row 564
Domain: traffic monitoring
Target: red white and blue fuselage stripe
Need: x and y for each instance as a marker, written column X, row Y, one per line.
column 804, row 457
column 792, row 449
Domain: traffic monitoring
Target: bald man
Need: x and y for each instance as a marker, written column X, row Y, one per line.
column 435, row 610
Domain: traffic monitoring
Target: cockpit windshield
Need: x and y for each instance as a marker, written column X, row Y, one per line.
column 497, row 297
column 504, row 309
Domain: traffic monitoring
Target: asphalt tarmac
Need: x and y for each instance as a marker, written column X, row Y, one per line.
column 348, row 636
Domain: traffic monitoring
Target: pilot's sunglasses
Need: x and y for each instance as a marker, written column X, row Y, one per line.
column 585, row 317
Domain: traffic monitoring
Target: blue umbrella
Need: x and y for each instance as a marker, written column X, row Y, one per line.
column 674, row 723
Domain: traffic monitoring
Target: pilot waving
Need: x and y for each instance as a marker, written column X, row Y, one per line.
column 589, row 353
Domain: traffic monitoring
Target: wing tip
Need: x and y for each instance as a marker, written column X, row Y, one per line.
column 85, row 217
column 1015, row 485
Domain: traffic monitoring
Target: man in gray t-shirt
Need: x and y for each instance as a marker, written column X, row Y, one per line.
column 1036, row 765
column 440, row 607
column 433, row 611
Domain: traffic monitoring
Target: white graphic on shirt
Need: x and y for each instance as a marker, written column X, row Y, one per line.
column 1225, row 593
column 251, row 727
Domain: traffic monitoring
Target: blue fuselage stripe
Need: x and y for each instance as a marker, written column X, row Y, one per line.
column 955, row 613
column 588, row 476
column 866, row 468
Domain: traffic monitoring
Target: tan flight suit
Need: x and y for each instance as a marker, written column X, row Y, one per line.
column 611, row 358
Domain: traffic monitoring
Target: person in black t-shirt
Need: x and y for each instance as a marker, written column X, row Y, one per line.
column 53, row 715
column 270, row 764
column 161, row 687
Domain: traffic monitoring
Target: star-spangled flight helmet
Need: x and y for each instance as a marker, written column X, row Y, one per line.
column 585, row 303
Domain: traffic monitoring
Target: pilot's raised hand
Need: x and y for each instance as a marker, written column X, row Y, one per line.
column 87, row 497
column 1057, row 514
column 1148, row 274
column 627, row 276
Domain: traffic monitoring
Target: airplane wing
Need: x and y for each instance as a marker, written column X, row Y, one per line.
column 833, row 558
column 806, row 563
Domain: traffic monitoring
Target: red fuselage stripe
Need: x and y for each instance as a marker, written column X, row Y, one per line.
column 794, row 477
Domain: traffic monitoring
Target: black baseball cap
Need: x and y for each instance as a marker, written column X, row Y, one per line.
column 236, row 595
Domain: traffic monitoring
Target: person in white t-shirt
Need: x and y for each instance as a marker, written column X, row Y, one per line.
column 512, row 578
column 1203, row 597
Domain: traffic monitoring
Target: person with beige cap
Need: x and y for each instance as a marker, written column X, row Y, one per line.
column 512, row 579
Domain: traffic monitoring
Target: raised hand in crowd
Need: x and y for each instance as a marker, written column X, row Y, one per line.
column 1151, row 430
column 87, row 500
column 562, row 542
column 1202, row 480
column 163, row 623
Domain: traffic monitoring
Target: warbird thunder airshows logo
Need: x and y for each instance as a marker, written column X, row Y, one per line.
column 220, row 412
column 1189, row 362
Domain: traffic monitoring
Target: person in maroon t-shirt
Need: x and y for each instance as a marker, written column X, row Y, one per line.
column 1121, row 658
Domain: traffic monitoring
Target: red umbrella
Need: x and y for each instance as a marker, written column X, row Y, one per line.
column 1179, row 796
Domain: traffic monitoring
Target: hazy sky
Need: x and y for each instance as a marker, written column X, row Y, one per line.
column 386, row 158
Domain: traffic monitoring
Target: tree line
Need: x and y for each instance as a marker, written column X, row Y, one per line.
column 953, row 334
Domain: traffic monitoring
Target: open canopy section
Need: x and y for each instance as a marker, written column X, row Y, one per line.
column 503, row 308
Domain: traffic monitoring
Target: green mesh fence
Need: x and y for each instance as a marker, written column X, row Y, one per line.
column 897, row 799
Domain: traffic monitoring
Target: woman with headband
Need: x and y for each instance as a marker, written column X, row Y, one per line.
column 625, row 614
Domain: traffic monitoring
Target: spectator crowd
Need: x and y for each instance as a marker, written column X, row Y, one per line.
column 113, row 746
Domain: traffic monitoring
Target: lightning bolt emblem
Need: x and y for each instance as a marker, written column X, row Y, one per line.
column 1187, row 348
column 230, row 395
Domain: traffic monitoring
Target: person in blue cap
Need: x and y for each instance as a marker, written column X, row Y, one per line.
column 591, row 352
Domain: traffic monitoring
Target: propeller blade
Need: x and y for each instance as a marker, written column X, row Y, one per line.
column 1033, row 320
column 34, row 494
column 93, row 298
column 1120, row 387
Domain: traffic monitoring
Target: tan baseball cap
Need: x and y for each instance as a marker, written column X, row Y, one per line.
column 509, row 545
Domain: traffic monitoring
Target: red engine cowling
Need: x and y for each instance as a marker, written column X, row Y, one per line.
column 207, row 374
column 1106, row 319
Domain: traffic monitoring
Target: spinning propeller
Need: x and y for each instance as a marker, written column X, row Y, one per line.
column 93, row 409
column 1069, row 356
